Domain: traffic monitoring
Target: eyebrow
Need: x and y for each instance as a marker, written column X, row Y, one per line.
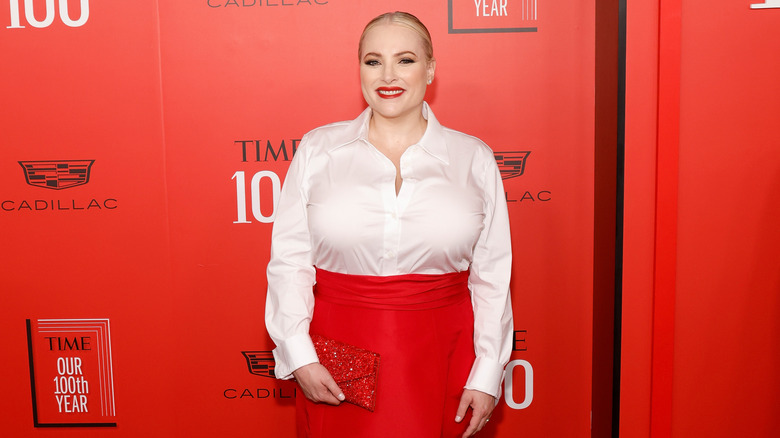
column 395, row 55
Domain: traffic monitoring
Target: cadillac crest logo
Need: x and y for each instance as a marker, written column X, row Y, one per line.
column 511, row 164
column 260, row 363
column 57, row 175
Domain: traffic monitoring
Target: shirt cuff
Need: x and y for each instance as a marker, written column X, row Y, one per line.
column 292, row 354
column 486, row 376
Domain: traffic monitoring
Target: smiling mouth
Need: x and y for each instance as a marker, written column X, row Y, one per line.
column 389, row 93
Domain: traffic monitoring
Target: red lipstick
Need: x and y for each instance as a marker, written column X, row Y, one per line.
column 389, row 92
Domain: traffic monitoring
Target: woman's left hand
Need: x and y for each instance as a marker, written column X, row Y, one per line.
column 482, row 405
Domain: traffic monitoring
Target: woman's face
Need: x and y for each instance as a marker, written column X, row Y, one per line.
column 394, row 70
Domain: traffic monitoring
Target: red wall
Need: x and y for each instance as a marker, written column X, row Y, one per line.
column 639, row 217
column 727, row 328
column 701, row 285
column 161, row 96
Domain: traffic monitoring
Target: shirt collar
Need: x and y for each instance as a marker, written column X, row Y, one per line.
column 432, row 141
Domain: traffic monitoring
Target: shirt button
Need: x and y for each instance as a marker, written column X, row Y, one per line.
column 394, row 216
column 389, row 255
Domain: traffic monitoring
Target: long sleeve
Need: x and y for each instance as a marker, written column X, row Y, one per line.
column 290, row 273
column 489, row 283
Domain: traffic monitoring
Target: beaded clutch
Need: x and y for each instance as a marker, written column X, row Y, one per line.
column 353, row 368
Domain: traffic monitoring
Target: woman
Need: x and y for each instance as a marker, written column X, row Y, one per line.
column 402, row 224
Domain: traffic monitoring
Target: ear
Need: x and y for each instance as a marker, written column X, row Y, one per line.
column 431, row 69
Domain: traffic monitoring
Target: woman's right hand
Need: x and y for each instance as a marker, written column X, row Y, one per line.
column 318, row 385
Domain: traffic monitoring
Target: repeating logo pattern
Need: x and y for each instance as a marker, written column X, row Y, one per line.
column 48, row 10
column 57, row 175
column 71, row 372
column 260, row 363
column 511, row 164
column 492, row 16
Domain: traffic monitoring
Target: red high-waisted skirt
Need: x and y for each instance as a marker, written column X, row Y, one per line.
column 422, row 326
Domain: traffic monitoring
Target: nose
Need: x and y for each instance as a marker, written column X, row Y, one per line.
column 388, row 73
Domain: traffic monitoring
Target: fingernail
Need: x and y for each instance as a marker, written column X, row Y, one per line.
column 341, row 397
column 457, row 418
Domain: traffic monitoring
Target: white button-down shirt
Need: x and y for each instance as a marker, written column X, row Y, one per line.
column 339, row 211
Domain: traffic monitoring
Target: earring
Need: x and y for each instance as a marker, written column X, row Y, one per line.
column 429, row 81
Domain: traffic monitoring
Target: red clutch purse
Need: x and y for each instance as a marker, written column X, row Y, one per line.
column 353, row 368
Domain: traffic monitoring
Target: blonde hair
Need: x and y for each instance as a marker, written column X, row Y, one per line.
column 404, row 19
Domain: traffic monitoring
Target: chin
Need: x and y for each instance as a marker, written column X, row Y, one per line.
column 391, row 110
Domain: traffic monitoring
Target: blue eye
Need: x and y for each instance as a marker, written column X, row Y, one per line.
column 372, row 62
column 407, row 61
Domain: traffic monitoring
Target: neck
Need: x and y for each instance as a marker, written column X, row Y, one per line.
column 398, row 132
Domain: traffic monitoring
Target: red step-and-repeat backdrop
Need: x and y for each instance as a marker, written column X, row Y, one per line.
column 143, row 148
